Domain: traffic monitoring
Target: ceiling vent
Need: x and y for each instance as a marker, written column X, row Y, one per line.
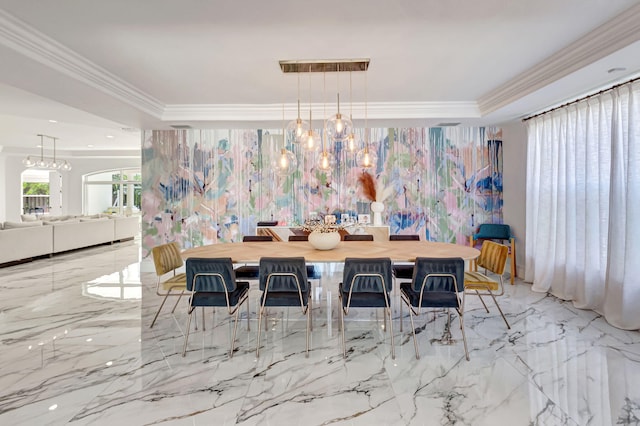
column 181, row 126
column 447, row 124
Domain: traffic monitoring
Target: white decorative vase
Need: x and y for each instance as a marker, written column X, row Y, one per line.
column 377, row 208
column 324, row 240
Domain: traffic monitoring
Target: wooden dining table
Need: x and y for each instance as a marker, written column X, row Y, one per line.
column 398, row 251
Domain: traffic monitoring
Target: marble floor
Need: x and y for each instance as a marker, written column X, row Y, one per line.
column 76, row 348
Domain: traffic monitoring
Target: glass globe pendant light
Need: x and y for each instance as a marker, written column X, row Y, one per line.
column 310, row 141
column 326, row 160
column 351, row 143
column 285, row 163
column 298, row 127
column 366, row 158
column 338, row 126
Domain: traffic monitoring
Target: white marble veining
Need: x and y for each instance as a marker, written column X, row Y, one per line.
column 76, row 348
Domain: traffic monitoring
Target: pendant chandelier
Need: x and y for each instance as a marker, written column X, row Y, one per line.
column 337, row 127
column 46, row 163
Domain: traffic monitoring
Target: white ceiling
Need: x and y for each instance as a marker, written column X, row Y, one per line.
column 98, row 67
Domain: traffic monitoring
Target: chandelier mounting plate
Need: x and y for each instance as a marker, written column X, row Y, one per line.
column 326, row 65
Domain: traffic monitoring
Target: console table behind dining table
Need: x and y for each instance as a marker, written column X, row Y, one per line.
column 398, row 251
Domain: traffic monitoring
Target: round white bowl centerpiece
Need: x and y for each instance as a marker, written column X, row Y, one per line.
column 324, row 240
column 322, row 236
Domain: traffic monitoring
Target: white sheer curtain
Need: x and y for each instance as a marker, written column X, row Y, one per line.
column 583, row 204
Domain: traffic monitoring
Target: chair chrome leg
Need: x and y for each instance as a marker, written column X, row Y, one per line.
column 235, row 327
column 248, row 313
column 413, row 330
column 500, row 310
column 259, row 323
column 308, row 326
column 186, row 337
column 401, row 318
column 464, row 337
column 481, row 300
column 310, row 307
column 384, row 323
column 344, row 344
column 203, row 315
column 159, row 309
column 393, row 349
column 177, row 301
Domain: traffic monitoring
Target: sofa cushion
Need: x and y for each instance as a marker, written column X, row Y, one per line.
column 28, row 217
column 61, row 222
column 13, row 225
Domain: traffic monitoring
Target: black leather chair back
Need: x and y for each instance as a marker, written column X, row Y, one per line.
column 257, row 238
column 404, row 237
column 358, row 237
column 428, row 265
column 283, row 274
column 367, row 275
column 210, row 275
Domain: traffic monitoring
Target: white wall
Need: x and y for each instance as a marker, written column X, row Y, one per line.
column 12, row 168
column 3, row 186
column 514, row 142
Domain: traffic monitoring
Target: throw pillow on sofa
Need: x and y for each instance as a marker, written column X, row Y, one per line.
column 28, row 217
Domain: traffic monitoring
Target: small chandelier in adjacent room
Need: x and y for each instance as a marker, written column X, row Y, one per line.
column 338, row 126
column 46, row 163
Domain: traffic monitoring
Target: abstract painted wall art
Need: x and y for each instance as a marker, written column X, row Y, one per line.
column 209, row 186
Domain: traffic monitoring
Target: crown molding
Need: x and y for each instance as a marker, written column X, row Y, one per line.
column 273, row 112
column 611, row 36
column 28, row 41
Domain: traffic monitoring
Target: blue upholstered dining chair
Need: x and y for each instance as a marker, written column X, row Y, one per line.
column 496, row 232
column 366, row 283
column 250, row 272
column 403, row 271
column 312, row 272
column 212, row 282
column 437, row 283
column 283, row 281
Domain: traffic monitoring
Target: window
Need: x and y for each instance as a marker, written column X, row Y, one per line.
column 35, row 191
column 113, row 192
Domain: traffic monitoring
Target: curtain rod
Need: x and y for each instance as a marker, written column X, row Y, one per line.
column 582, row 99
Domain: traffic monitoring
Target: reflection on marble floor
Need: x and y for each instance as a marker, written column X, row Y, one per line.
column 76, row 348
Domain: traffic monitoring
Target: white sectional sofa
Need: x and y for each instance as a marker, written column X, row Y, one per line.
column 26, row 240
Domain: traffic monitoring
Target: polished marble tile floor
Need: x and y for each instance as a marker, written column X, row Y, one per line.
column 77, row 348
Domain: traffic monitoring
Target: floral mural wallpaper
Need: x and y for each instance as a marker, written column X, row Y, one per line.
column 212, row 186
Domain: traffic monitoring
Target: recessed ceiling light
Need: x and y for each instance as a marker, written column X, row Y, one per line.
column 110, row 136
column 53, row 121
column 616, row 69
column 89, row 146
